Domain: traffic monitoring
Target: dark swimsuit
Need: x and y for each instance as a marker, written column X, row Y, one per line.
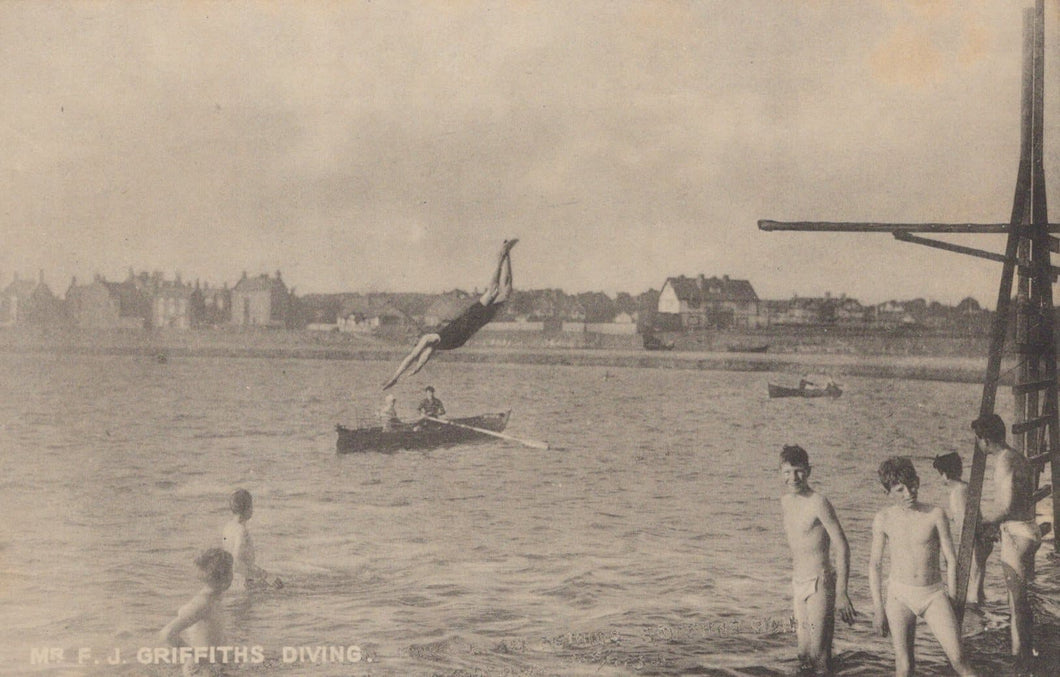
column 458, row 331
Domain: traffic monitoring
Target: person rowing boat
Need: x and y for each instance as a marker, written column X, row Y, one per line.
column 456, row 332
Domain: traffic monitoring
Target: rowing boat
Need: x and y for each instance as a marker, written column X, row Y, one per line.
column 420, row 435
column 832, row 390
column 747, row 349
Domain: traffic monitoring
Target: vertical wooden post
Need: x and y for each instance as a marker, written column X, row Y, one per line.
column 1021, row 207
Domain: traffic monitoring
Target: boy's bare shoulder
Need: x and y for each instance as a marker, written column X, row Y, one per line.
column 935, row 510
column 882, row 517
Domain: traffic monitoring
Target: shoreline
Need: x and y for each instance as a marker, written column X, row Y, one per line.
column 928, row 367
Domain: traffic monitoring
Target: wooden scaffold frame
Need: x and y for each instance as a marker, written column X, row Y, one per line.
column 1027, row 253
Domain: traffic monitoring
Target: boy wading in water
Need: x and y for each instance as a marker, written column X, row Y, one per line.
column 1013, row 514
column 236, row 541
column 200, row 619
column 819, row 589
column 916, row 533
column 950, row 467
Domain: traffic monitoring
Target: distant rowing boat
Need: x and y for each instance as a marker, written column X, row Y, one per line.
column 748, row 349
column 420, row 435
column 831, row 390
column 651, row 342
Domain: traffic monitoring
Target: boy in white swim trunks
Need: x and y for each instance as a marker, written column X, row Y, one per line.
column 1013, row 513
column 916, row 533
column 818, row 588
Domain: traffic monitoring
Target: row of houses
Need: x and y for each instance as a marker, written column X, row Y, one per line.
column 698, row 303
column 149, row 301
column 146, row 300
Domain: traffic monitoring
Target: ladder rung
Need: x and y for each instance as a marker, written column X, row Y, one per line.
column 1026, row 270
column 1032, row 386
column 1041, row 493
column 1031, row 348
column 1039, row 460
column 1032, row 423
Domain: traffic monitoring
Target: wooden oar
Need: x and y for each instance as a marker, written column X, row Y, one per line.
column 530, row 443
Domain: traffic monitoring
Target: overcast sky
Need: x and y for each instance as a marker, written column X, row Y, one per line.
column 392, row 145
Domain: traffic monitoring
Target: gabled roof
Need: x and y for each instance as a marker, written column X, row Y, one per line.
column 699, row 290
column 20, row 288
column 260, row 283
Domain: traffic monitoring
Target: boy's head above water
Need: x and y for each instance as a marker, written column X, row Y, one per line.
column 242, row 504
column 215, row 568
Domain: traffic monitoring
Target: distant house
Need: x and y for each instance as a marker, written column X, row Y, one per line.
column 812, row 310
column 261, row 301
column 93, row 306
column 134, row 296
column 363, row 314
column 171, row 305
column 849, row 311
column 210, row 306
column 705, row 303
column 893, row 314
column 29, row 302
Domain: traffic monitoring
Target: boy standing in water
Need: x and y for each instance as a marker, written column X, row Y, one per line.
column 818, row 588
column 236, row 539
column 950, row 467
column 200, row 619
column 1013, row 513
column 916, row 532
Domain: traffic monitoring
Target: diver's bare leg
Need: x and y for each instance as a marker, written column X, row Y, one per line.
column 506, row 281
column 424, row 357
column 494, row 287
column 425, row 341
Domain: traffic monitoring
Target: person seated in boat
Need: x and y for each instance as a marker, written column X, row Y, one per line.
column 456, row 332
column 816, row 382
column 388, row 414
column 431, row 405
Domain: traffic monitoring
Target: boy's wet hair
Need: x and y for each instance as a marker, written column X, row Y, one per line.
column 898, row 470
column 950, row 465
column 990, row 427
column 794, row 455
column 216, row 563
column 241, row 501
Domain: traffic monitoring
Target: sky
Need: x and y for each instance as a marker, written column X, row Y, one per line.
column 391, row 146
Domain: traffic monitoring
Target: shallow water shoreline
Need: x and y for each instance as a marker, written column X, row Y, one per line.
column 164, row 346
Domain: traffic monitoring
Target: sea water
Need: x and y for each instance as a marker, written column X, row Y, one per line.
column 646, row 541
